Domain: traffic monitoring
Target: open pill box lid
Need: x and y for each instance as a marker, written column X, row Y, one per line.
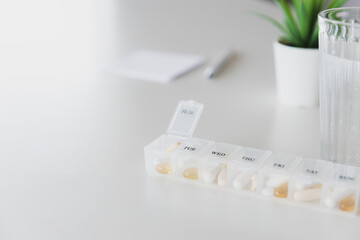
column 185, row 119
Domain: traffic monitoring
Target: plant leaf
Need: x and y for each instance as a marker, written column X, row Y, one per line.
column 336, row 3
column 272, row 21
column 314, row 38
column 289, row 18
column 301, row 18
column 300, row 24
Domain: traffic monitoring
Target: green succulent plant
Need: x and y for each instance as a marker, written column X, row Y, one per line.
column 299, row 27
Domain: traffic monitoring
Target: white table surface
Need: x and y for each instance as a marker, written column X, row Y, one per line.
column 72, row 138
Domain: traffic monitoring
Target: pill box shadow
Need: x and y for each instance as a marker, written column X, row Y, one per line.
column 171, row 196
column 161, row 192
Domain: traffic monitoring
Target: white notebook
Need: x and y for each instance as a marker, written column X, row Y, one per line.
column 156, row 66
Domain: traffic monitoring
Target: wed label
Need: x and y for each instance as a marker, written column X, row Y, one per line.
column 218, row 154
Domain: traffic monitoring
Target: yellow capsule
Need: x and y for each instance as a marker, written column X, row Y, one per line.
column 281, row 191
column 163, row 168
column 172, row 147
column 317, row 185
column 191, row 173
column 347, row 204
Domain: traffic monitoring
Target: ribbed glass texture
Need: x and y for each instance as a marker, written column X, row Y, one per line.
column 339, row 34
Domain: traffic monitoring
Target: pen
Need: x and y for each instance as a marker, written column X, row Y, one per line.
column 218, row 64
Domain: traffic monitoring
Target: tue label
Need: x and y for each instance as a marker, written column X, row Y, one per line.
column 189, row 148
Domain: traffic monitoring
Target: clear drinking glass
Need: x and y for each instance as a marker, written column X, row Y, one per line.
column 339, row 33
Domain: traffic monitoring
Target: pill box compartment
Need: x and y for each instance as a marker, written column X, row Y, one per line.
column 214, row 163
column 243, row 168
column 341, row 190
column 186, row 158
column 274, row 175
column 158, row 154
column 307, row 181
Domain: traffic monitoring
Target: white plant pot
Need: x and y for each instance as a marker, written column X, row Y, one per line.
column 297, row 75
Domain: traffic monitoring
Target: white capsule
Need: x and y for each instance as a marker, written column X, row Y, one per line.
column 222, row 178
column 304, row 184
column 242, row 179
column 307, row 195
column 172, row 147
column 276, row 181
column 267, row 191
column 237, row 182
column 334, row 198
column 210, row 174
column 254, row 181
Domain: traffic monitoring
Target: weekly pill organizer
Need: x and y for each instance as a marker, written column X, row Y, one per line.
column 311, row 182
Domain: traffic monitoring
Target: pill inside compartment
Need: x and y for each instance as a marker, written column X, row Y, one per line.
column 163, row 164
column 158, row 154
column 185, row 160
column 243, row 168
column 214, row 163
column 274, row 175
column 306, row 184
column 341, row 190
